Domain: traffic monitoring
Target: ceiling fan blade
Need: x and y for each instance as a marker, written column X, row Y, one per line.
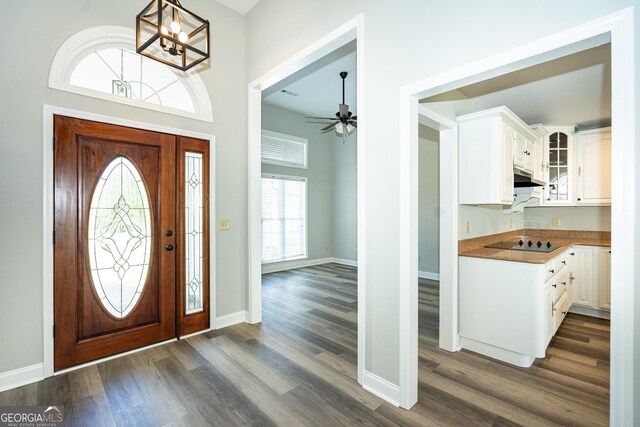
column 353, row 123
column 317, row 122
column 353, row 118
column 327, row 128
column 321, row 118
column 344, row 110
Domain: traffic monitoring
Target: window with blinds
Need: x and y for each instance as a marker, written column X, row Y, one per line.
column 284, row 217
column 284, row 150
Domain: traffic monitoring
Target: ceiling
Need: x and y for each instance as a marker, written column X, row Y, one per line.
column 572, row 90
column 318, row 86
column 240, row 6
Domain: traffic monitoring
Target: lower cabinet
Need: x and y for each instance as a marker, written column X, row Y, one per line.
column 510, row 310
column 590, row 277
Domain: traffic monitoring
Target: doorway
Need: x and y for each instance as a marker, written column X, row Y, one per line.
column 131, row 229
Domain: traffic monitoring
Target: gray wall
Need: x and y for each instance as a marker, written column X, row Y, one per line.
column 331, row 186
column 345, row 203
column 433, row 37
column 319, row 174
column 429, row 200
column 24, row 77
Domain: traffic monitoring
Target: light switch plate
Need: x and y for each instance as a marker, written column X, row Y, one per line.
column 555, row 221
column 224, row 225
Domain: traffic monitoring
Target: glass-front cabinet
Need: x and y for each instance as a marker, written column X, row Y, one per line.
column 558, row 153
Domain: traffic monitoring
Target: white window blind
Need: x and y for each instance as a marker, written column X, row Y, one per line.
column 284, row 217
column 284, row 150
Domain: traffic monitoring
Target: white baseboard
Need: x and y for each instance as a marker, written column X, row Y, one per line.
column 21, row 376
column 349, row 262
column 428, row 275
column 231, row 319
column 291, row 265
column 381, row 388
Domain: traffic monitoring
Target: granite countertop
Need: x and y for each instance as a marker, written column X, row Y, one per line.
column 565, row 238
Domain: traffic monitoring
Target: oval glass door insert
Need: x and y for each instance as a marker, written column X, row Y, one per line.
column 119, row 237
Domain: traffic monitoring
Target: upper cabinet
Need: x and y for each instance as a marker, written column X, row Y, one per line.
column 558, row 153
column 578, row 167
column 491, row 143
column 593, row 163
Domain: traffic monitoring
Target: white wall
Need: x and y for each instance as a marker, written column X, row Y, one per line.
column 319, row 173
column 404, row 43
column 24, row 77
column 593, row 218
column 487, row 219
column 429, row 200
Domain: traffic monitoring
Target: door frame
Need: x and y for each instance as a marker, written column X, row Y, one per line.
column 48, row 111
column 618, row 28
column 349, row 31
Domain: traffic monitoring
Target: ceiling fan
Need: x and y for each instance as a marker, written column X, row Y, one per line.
column 344, row 122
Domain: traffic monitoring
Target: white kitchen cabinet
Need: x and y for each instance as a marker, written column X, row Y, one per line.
column 582, row 275
column 537, row 154
column 590, row 277
column 559, row 167
column 604, row 276
column 510, row 310
column 486, row 155
column 593, row 162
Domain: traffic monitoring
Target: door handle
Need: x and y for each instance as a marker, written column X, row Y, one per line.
column 169, row 247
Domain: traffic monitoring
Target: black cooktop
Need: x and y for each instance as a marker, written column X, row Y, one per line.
column 525, row 244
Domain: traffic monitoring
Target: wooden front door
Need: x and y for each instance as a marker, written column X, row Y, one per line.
column 115, row 219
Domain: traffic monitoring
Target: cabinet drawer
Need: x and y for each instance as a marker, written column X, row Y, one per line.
column 560, row 310
column 555, row 266
column 559, row 284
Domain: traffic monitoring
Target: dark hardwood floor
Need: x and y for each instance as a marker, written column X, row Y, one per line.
column 299, row 368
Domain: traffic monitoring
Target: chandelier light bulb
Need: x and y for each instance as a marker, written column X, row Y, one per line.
column 164, row 31
column 175, row 27
column 183, row 37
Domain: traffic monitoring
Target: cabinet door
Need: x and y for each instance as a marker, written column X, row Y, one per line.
column 593, row 153
column 529, row 156
column 519, row 151
column 581, row 269
column 604, row 282
column 559, row 175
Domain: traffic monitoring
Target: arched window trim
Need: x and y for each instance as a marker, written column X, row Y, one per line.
column 81, row 44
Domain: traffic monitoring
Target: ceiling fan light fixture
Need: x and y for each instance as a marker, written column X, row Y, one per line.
column 350, row 128
column 339, row 128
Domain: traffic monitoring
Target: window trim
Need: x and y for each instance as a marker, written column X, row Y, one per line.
column 306, row 215
column 79, row 45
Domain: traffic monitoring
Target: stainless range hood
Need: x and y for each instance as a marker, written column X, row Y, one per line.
column 522, row 178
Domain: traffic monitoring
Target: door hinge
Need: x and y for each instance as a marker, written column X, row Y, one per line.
column 54, row 331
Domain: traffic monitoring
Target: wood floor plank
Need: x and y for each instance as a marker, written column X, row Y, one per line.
column 299, row 368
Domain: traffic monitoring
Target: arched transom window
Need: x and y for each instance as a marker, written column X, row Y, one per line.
column 101, row 62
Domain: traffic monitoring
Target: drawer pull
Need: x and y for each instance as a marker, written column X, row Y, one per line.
column 564, row 312
column 555, row 285
column 564, row 262
column 552, row 271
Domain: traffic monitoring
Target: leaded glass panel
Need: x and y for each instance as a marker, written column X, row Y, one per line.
column 119, row 237
column 194, row 232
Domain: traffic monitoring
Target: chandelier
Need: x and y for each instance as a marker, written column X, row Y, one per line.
column 171, row 34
